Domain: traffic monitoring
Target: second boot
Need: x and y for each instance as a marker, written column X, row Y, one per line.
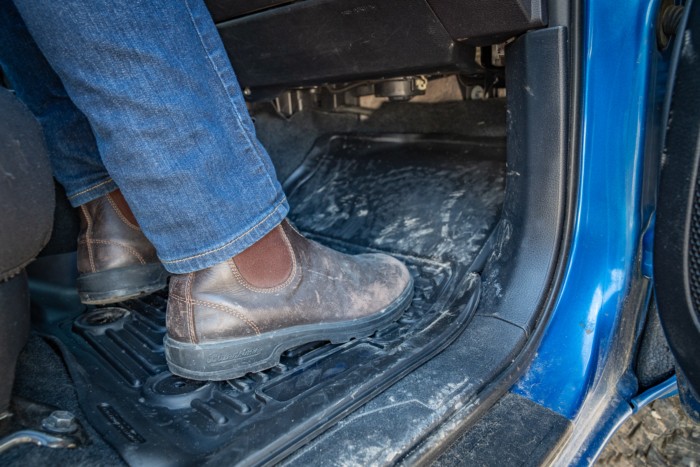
column 116, row 261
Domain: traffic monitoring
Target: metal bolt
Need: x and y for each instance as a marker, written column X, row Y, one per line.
column 60, row 421
column 477, row 93
column 247, row 91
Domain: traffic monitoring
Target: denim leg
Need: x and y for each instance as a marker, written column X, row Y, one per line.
column 71, row 145
column 173, row 130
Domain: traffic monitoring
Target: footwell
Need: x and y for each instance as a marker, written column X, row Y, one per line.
column 430, row 202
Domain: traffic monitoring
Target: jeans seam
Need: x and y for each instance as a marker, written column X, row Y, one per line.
column 231, row 242
column 255, row 147
column 88, row 190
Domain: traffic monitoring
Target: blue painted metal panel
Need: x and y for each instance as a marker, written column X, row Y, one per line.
column 619, row 43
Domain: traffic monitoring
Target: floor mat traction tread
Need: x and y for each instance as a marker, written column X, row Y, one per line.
column 115, row 353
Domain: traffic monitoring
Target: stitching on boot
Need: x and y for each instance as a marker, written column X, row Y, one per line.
column 88, row 231
column 189, row 307
column 112, row 242
column 230, row 311
column 176, row 313
column 236, row 273
column 215, row 306
column 121, row 216
column 294, row 228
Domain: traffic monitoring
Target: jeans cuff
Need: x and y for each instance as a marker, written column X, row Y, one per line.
column 231, row 247
column 95, row 191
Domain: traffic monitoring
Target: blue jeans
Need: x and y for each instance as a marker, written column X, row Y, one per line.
column 164, row 120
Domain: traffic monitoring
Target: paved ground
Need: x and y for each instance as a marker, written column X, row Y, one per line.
column 659, row 435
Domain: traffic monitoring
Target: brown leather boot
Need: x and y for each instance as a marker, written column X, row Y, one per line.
column 240, row 315
column 115, row 259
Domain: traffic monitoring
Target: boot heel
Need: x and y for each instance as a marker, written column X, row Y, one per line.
column 221, row 361
column 116, row 285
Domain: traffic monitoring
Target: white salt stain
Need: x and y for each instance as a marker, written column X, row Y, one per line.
column 412, row 222
column 422, row 232
column 439, row 399
column 688, row 51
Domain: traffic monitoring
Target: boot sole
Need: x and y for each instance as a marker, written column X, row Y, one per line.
column 218, row 361
column 117, row 285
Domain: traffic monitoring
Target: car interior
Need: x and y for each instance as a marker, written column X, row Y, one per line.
column 439, row 131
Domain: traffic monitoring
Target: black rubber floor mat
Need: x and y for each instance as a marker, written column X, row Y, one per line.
column 420, row 196
column 115, row 354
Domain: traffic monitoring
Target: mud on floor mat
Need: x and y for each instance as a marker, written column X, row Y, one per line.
column 429, row 202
